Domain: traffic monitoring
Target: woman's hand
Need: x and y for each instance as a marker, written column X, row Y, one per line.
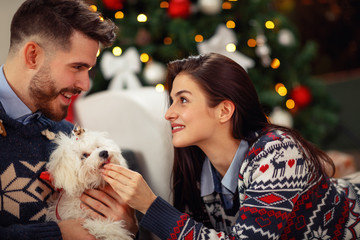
column 106, row 203
column 130, row 186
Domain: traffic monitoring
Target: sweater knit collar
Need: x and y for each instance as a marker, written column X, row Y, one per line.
column 33, row 128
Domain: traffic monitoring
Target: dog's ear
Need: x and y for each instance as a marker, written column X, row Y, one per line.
column 63, row 166
column 63, row 173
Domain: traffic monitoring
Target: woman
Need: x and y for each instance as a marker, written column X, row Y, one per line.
column 236, row 175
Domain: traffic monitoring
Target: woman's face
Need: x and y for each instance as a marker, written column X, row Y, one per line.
column 193, row 122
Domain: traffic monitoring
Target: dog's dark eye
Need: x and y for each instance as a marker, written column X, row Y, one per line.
column 84, row 156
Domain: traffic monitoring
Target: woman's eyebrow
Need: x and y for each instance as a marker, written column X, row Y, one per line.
column 181, row 92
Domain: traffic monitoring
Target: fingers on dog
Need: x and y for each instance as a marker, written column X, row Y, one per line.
column 112, row 177
column 105, row 198
column 112, row 193
column 117, row 186
column 98, row 208
column 118, row 169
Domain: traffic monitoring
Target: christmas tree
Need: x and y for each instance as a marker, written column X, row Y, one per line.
column 252, row 32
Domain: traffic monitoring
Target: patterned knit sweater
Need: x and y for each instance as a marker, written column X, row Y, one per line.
column 278, row 199
column 24, row 152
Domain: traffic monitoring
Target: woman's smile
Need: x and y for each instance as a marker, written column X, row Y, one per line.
column 177, row 127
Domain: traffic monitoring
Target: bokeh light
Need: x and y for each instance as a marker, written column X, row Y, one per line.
column 117, row 51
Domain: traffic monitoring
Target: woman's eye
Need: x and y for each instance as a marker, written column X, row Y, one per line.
column 183, row 100
column 84, row 156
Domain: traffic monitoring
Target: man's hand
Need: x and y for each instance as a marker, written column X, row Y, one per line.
column 73, row 230
column 106, row 203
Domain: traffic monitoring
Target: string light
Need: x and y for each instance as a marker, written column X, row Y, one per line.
column 231, row 47
column 117, row 51
column 93, row 8
column 279, row 86
column 226, row 5
column 160, row 87
column 282, row 91
column 269, row 25
column 199, row 38
column 167, row 40
column 144, row 57
column 290, row 104
column 101, row 18
column 275, row 63
column 119, row 15
column 230, row 24
column 251, row 42
column 164, row 4
column 142, row 18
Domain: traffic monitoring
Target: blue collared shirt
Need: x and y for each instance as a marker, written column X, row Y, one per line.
column 212, row 182
column 12, row 104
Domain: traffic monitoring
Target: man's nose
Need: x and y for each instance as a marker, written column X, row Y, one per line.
column 83, row 82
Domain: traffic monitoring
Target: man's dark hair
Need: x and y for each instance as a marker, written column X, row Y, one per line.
column 54, row 22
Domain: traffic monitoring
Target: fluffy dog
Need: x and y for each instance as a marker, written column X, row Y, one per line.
column 74, row 166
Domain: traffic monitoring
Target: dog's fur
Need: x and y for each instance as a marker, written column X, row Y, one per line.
column 74, row 166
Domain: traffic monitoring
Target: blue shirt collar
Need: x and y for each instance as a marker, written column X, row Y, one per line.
column 12, row 104
column 229, row 181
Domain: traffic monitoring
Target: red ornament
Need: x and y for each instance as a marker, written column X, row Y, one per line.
column 302, row 96
column 113, row 4
column 179, row 8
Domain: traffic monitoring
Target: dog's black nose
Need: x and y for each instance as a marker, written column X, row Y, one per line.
column 104, row 154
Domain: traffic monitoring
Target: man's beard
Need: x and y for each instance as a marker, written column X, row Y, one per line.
column 43, row 92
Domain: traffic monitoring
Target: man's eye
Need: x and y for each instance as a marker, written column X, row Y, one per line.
column 84, row 156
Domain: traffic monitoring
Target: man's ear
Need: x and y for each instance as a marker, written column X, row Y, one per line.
column 32, row 54
column 226, row 110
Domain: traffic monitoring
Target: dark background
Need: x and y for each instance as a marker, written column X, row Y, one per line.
column 334, row 25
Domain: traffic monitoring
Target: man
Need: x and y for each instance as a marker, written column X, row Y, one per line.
column 53, row 45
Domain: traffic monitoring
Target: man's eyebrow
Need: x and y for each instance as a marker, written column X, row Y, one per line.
column 83, row 64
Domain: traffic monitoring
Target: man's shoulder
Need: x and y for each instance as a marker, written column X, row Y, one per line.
column 62, row 126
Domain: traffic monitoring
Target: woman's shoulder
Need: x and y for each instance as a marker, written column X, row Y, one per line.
column 275, row 154
column 269, row 141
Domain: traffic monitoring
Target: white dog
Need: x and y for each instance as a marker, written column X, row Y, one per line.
column 74, row 166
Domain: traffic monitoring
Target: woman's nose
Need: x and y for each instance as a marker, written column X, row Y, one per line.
column 170, row 114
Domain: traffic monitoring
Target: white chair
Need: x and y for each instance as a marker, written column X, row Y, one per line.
column 134, row 118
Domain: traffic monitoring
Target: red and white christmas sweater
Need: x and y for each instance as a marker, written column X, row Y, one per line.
column 278, row 199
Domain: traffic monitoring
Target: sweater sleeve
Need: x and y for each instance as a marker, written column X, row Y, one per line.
column 38, row 231
column 269, row 185
column 167, row 222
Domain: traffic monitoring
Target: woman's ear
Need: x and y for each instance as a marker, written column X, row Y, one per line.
column 226, row 109
column 32, row 54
